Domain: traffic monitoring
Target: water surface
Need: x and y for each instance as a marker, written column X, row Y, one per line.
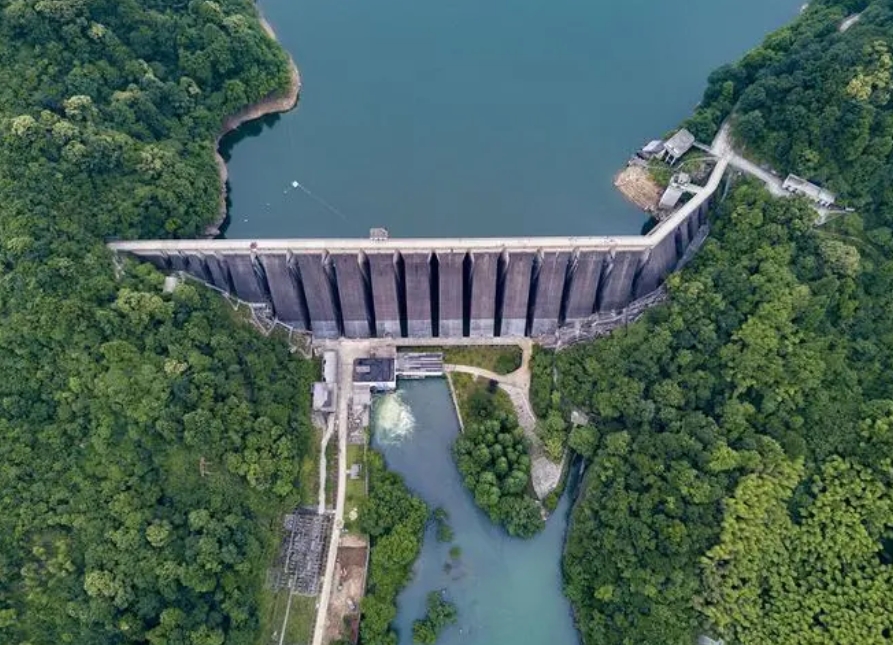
column 477, row 117
column 507, row 591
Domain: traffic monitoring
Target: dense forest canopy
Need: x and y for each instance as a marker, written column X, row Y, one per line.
column 754, row 410
column 816, row 101
column 740, row 459
column 740, row 464
column 113, row 392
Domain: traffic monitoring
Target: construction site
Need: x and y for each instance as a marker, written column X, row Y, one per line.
column 343, row 617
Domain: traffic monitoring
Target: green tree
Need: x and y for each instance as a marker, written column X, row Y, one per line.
column 395, row 520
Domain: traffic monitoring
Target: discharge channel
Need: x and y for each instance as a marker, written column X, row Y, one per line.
column 507, row 591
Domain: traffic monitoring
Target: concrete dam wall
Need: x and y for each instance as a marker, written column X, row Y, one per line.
column 360, row 288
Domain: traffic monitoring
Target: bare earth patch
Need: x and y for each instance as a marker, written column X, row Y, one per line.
column 350, row 583
column 639, row 187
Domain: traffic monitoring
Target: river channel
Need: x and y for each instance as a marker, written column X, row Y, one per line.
column 507, row 591
column 476, row 117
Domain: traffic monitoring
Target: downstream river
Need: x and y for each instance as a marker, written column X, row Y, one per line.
column 507, row 591
column 476, row 117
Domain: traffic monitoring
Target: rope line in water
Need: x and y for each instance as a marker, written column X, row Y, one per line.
column 298, row 184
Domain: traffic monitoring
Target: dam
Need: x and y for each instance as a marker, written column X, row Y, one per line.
column 420, row 288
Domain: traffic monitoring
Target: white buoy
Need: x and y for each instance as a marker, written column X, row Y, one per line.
column 294, row 184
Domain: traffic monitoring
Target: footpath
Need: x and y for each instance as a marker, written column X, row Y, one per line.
column 544, row 473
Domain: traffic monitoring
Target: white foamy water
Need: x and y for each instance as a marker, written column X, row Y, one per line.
column 393, row 419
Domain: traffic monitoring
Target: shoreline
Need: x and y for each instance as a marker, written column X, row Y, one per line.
column 274, row 103
column 639, row 188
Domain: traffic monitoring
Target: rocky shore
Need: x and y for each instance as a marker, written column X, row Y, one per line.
column 274, row 103
column 639, row 187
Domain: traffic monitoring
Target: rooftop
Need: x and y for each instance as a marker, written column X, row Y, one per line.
column 654, row 147
column 323, row 399
column 800, row 186
column 671, row 197
column 680, row 143
column 170, row 284
column 330, row 366
column 374, row 370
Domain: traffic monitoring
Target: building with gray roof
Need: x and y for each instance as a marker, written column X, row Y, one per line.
column 678, row 145
column 799, row 186
column 375, row 373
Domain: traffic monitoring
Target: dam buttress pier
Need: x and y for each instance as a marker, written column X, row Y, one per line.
column 434, row 287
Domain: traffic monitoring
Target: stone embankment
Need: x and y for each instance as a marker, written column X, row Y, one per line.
column 275, row 103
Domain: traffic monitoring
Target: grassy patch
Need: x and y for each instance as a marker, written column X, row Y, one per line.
column 331, row 470
column 502, row 359
column 301, row 620
column 310, row 474
column 271, row 613
column 478, row 398
column 660, row 172
column 356, row 488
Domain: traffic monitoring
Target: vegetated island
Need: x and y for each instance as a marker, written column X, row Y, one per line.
column 440, row 613
column 492, row 456
column 395, row 521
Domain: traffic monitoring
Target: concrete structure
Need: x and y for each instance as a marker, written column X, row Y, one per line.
column 352, row 290
column 448, row 282
column 706, row 640
column 678, row 145
column 386, row 293
column 549, row 294
column 377, row 374
column 652, row 149
column 417, row 276
column 323, row 397
column 799, row 186
column 447, row 288
column 670, row 198
column 484, row 281
column 330, row 367
column 518, row 285
column 415, row 365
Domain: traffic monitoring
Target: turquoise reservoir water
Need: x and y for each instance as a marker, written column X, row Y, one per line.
column 507, row 591
column 477, row 117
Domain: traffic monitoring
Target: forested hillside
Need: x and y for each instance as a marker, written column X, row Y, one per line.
column 740, row 479
column 770, row 362
column 740, row 468
column 816, row 101
column 112, row 394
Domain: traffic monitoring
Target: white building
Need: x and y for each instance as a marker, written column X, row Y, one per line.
column 653, row 149
column 330, row 367
column 799, row 186
column 678, row 145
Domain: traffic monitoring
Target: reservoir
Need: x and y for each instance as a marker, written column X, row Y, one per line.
column 476, row 117
column 507, row 591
